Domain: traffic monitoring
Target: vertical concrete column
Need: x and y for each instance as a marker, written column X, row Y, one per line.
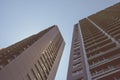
column 88, row 75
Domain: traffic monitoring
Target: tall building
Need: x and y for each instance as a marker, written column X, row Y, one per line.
column 95, row 51
column 34, row 58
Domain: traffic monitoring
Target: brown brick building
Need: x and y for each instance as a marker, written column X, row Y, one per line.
column 34, row 58
column 95, row 51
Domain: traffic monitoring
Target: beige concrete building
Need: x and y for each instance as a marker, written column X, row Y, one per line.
column 95, row 51
column 34, row 58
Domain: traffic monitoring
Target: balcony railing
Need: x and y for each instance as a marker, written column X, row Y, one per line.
column 106, row 71
column 76, row 65
column 114, row 24
column 116, row 35
column 96, row 40
column 102, row 53
column 100, row 35
column 105, row 61
column 95, row 44
column 77, row 72
column 99, row 47
column 115, row 32
column 117, row 78
column 113, row 29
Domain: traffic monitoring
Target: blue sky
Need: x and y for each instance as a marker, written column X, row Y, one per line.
column 22, row 18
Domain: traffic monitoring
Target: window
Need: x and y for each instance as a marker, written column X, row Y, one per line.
column 80, row 79
column 76, row 65
column 42, row 69
column 48, row 61
column 77, row 72
column 77, row 59
column 39, row 72
column 28, row 77
column 48, row 58
column 34, row 75
column 76, row 49
column 44, row 64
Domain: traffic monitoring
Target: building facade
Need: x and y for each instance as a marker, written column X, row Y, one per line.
column 95, row 51
column 34, row 58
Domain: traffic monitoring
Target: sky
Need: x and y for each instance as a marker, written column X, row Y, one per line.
column 22, row 18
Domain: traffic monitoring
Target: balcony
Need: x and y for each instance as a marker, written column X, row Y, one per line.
column 113, row 29
column 107, row 71
column 76, row 57
column 103, row 48
column 76, row 48
column 77, row 45
column 105, row 61
column 77, row 72
column 76, row 65
column 117, row 78
column 87, row 36
column 99, row 43
column 115, row 32
column 74, row 60
column 102, row 53
column 114, row 24
column 117, row 36
column 96, row 40
column 119, row 40
column 95, row 37
column 77, row 42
